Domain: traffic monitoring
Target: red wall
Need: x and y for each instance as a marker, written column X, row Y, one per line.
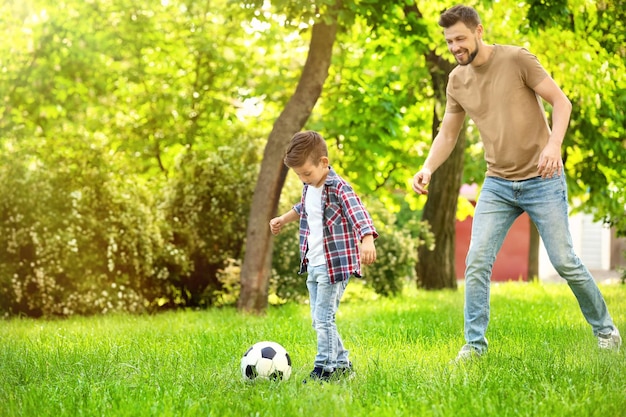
column 512, row 260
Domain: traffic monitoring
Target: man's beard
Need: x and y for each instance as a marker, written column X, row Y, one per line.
column 471, row 56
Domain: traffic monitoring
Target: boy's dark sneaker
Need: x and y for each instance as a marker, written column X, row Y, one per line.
column 319, row 374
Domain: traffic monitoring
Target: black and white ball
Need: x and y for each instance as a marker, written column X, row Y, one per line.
column 266, row 360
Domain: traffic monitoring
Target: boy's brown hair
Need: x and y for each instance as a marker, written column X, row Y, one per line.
column 305, row 146
column 459, row 13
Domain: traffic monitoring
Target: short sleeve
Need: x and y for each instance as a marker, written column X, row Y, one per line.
column 452, row 106
column 531, row 70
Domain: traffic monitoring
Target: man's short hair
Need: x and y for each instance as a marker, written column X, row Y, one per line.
column 459, row 13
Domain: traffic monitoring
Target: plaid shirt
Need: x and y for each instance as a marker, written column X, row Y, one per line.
column 346, row 222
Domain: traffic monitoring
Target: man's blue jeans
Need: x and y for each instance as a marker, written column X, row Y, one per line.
column 499, row 204
column 324, row 298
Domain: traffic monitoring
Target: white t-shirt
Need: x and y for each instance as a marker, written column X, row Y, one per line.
column 313, row 207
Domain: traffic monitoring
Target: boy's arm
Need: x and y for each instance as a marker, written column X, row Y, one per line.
column 356, row 213
column 277, row 223
column 362, row 223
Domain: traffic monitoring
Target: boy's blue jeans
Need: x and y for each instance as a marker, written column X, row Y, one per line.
column 500, row 203
column 324, row 298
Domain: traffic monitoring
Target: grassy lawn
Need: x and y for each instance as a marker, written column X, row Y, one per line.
column 543, row 361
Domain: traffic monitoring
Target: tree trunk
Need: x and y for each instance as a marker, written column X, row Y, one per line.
column 256, row 267
column 436, row 269
column 533, row 253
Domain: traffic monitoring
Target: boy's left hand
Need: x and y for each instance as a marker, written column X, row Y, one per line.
column 368, row 250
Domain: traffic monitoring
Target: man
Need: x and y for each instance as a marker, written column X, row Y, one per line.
column 500, row 88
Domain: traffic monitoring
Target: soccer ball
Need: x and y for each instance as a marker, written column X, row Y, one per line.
column 266, row 360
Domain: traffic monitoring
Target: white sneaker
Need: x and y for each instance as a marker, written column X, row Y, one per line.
column 610, row 341
column 467, row 353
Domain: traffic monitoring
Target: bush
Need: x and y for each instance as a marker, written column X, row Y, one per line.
column 396, row 250
column 75, row 238
column 205, row 211
column 285, row 282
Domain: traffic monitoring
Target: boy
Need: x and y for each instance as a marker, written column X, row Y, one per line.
column 332, row 221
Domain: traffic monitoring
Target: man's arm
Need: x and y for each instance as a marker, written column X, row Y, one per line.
column 550, row 161
column 441, row 149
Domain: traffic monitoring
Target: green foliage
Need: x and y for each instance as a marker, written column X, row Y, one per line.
column 150, row 78
column 396, row 250
column 91, row 242
column 544, row 13
column 99, row 100
column 591, row 74
column 205, row 208
column 74, row 240
column 376, row 114
column 284, row 280
column 543, row 361
column 113, row 112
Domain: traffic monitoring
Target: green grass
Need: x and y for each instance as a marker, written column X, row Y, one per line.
column 543, row 361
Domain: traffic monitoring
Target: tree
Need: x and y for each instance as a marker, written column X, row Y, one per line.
column 255, row 270
column 388, row 86
column 436, row 268
column 142, row 84
column 592, row 71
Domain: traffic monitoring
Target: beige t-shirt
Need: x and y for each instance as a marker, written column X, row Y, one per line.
column 510, row 117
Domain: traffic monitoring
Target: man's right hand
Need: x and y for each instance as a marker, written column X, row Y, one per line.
column 421, row 180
